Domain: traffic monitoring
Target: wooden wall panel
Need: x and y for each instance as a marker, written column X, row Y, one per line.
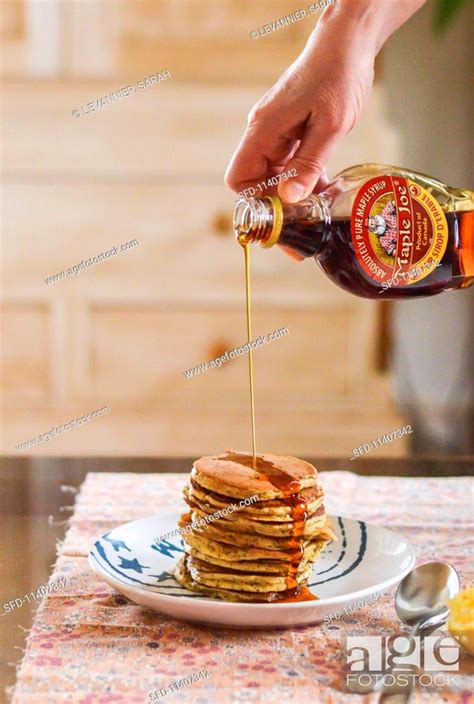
column 125, row 36
column 151, row 167
column 200, row 429
column 25, row 351
column 183, row 252
column 181, row 133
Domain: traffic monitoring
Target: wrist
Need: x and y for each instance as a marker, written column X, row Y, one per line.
column 370, row 21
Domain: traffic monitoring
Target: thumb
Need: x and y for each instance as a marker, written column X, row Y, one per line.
column 323, row 181
column 309, row 161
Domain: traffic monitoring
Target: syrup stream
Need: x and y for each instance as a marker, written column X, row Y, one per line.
column 246, row 248
column 285, row 483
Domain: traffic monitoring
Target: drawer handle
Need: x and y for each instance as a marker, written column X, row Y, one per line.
column 222, row 224
column 218, row 348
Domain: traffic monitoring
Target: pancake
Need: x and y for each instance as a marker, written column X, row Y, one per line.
column 262, row 550
column 307, row 528
column 270, row 510
column 183, row 577
column 262, row 565
column 223, row 578
column 232, row 474
column 238, row 554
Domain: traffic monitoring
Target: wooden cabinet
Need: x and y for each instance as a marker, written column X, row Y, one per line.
column 121, row 333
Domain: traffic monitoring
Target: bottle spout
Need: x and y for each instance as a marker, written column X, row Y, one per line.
column 258, row 220
column 243, row 222
column 262, row 219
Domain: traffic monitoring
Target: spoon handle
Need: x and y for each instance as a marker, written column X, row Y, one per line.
column 402, row 696
column 399, row 698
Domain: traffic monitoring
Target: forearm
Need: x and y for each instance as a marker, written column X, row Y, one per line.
column 369, row 21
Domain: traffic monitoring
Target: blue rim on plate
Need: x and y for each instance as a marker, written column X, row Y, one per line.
column 364, row 560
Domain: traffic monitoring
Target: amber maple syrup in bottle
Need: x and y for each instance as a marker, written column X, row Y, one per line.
column 377, row 231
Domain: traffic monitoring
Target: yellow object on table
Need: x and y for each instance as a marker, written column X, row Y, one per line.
column 461, row 619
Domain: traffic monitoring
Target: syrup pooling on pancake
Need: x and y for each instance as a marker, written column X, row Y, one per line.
column 267, row 471
column 231, row 474
column 260, row 551
column 290, row 488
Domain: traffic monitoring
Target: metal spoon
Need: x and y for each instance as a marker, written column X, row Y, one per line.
column 420, row 603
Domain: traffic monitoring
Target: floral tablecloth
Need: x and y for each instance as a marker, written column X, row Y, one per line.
column 89, row 645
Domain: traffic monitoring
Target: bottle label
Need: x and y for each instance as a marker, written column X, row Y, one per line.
column 399, row 231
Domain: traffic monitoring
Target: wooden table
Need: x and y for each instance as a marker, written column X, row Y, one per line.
column 31, row 493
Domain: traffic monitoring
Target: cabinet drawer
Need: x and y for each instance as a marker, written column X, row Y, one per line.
column 141, row 355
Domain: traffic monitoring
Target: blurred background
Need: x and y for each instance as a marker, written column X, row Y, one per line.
column 150, row 167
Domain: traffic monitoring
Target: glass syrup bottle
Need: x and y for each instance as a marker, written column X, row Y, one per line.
column 376, row 231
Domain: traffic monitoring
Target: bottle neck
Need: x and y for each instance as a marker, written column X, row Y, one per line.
column 268, row 221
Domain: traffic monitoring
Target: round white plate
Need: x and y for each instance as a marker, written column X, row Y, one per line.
column 365, row 560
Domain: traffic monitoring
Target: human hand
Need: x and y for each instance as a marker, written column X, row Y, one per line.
column 319, row 98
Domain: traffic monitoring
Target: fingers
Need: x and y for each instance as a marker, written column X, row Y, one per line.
column 291, row 253
column 275, row 125
column 248, row 163
column 323, row 181
column 262, row 153
column 317, row 144
column 298, row 123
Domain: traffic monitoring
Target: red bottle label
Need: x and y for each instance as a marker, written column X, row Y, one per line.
column 399, row 231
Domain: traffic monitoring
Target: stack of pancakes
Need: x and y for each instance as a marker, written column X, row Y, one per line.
column 260, row 550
